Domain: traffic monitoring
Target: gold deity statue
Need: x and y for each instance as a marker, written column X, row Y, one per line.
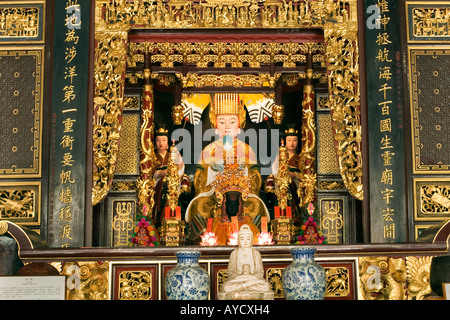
column 227, row 180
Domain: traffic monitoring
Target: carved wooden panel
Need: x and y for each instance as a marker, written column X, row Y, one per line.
column 429, row 69
column 21, row 79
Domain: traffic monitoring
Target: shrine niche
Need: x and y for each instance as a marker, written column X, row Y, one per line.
column 211, row 115
column 188, row 53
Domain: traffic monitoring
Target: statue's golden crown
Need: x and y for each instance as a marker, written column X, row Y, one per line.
column 227, row 104
column 291, row 131
column 232, row 178
column 161, row 131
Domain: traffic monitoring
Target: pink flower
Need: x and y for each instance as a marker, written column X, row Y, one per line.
column 208, row 239
column 233, row 239
column 265, row 238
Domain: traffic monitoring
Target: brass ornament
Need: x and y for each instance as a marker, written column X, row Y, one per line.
column 278, row 113
column 177, row 114
column 283, row 179
column 172, row 179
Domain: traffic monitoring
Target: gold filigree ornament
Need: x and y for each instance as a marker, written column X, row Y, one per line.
column 108, row 104
column 418, row 277
column 172, row 179
column 283, row 179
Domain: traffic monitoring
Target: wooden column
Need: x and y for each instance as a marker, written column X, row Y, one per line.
column 307, row 187
column 147, row 162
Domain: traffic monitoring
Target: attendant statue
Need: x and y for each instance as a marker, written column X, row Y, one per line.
column 227, row 180
column 162, row 159
column 245, row 272
column 290, row 137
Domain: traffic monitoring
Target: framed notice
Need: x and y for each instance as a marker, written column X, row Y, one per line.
column 33, row 288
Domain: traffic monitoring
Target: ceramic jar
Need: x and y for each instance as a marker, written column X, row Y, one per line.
column 304, row 279
column 187, row 280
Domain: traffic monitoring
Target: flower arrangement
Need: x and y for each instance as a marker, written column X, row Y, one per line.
column 310, row 232
column 145, row 234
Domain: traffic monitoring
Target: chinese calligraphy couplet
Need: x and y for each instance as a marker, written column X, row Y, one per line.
column 69, row 132
column 385, row 121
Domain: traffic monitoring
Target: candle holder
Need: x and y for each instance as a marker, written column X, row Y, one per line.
column 283, row 230
column 172, row 232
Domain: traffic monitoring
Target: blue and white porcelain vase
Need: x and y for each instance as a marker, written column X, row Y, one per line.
column 304, row 279
column 187, row 280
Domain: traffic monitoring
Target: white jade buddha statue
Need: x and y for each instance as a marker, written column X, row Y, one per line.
column 245, row 272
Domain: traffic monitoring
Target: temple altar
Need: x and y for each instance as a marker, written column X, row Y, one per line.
column 170, row 124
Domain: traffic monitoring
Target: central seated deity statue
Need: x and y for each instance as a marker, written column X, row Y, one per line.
column 227, row 180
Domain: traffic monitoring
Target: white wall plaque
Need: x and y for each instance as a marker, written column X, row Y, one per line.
column 33, row 288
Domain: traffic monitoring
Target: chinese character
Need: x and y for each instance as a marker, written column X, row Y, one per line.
column 386, row 143
column 65, row 214
column 385, row 107
column 67, row 142
column 387, row 157
column 387, row 177
column 384, row 88
column 73, row 15
column 70, row 73
column 67, row 160
column 388, row 213
column 385, row 125
column 389, row 231
column 65, row 177
column 385, row 73
column 65, row 195
column 70, row 54
column 383, row 39
column 68, row 125
column 383, row 5
column 69, row 93
column 383, row 55
column 65, row 232
column 384, row 21
column 71, row 37
column 387, row 195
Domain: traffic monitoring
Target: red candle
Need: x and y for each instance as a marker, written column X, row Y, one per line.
column 264, row 224
column 288, row 212
column 209, row 226
column 178, row 213
column 234, row 223
column 277, row 212
column 167, row 213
